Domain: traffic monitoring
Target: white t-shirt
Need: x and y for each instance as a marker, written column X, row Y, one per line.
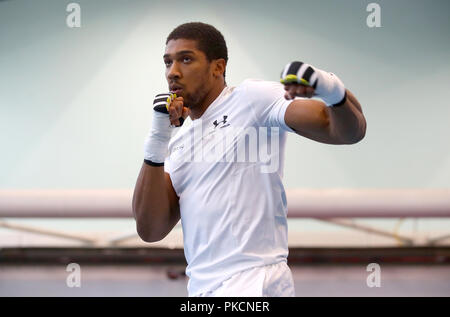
column 234, row 211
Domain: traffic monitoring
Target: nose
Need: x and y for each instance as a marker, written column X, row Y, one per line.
column 173, row 72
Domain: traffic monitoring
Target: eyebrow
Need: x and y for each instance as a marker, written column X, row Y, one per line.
column 180, row 53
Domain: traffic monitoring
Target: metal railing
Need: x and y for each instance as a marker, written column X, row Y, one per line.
column 329, row 205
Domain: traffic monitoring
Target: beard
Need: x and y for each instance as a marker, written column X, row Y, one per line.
column 196, row 99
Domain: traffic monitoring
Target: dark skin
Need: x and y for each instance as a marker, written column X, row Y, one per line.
column 313, row 119
column 155, row 204
column 201, row 80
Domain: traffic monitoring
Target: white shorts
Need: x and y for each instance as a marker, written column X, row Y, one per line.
column 274, row 280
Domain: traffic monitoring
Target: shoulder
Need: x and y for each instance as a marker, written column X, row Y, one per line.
column 259, row 84
column 261, row 91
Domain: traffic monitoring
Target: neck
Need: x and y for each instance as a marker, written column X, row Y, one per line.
column 207, row 101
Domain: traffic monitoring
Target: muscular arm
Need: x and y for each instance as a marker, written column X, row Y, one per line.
column 332, row 125
column 155, row 204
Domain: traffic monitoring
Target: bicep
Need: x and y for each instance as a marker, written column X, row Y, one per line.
column 309, row 118
column 173, row 202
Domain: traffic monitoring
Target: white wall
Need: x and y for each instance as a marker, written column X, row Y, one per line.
column 75, row 104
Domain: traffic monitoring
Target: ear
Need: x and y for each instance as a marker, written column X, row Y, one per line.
column 219, row 67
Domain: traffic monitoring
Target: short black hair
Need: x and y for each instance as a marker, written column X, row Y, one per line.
column 209, row 40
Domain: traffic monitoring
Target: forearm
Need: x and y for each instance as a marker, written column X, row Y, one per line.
column 347, row 124
column 151, row 207
column 329, row 122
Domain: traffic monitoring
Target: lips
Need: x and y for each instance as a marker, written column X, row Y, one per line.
column 176, row 89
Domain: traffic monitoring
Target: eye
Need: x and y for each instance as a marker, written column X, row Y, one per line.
column 167, row 63
column 187, row 59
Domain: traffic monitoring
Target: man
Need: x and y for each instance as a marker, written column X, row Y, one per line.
column 233, row 213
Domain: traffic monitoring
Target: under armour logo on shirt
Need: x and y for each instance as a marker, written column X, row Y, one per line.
column 223, row 122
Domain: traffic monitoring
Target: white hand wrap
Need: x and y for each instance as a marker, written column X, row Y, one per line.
column 329, row 88
column 155, row 147
column 327, row 85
